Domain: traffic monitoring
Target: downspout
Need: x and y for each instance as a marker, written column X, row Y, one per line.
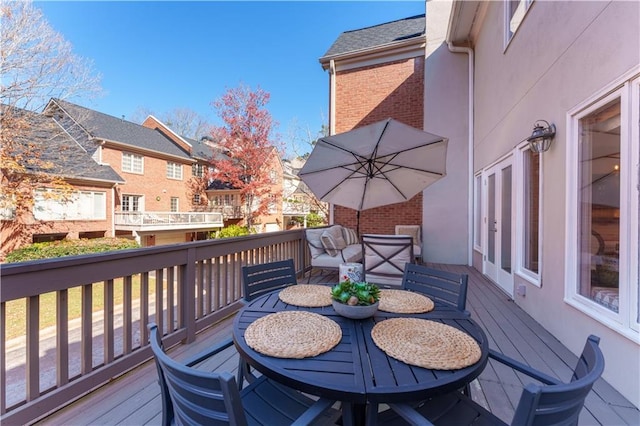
column 469, row 52
column 332, row 113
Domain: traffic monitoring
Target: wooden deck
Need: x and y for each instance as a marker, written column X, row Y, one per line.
column 134, row 399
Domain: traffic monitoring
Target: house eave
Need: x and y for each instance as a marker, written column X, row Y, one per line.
column 377, row 55
column 135, row 148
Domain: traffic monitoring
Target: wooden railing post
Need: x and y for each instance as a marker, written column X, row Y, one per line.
column 188, row 283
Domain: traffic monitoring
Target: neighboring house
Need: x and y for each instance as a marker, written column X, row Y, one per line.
column 85, row 214
column 376, row 73
column 298, row 200
column 557, row 231
column 152, row 205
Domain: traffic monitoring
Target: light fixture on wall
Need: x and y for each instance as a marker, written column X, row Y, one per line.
column 541, row 137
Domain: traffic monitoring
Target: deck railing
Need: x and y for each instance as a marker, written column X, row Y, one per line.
column 182, row 287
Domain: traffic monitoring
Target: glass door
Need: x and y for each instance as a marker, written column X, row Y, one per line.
column 497, row 224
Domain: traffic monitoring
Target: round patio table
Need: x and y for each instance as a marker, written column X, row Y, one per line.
column 356, row 371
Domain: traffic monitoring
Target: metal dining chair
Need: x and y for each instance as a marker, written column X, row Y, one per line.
column 195, row 397
column 265, row 277
column 443, row 287
column 552, row 403
column 385, row 257
column 256, row 281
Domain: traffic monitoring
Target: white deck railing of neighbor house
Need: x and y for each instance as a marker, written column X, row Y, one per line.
column 124, row 220
column 182, row 287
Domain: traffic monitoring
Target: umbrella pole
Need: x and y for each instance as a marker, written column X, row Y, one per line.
column 358, row 223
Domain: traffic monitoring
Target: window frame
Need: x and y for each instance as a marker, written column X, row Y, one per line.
column 508, row 33
column 625, row 321
column 129, row 164
column 174, row 170
column 532, row 277
column 174, row 204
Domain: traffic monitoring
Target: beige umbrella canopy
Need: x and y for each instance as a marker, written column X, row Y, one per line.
column 383, row 163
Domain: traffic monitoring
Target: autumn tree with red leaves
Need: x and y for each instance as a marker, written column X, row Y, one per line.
column 246, row 140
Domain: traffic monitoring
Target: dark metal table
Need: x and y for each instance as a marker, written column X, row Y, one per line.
column 356, row 371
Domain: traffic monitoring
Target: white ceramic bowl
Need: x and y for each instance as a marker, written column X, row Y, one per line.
column 354, row 312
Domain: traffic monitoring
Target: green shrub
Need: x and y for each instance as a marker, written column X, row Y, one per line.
column 231, row 231
column 69, row 248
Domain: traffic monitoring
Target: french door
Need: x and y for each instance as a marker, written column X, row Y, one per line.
column 497, row 224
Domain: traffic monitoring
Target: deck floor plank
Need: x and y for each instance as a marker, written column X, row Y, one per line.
column 133, row 399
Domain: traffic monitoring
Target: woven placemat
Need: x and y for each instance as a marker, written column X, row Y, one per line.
column 404, row 302
column 307, row 295
column 293, row 334
column 426, row 343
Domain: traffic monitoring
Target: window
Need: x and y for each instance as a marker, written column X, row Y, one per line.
column 197, row 199
column 528, row 228
column 477, row 221
column 174, row 170
column 273, row 204
column 131, row 203
column 197, row 170
column 84, row 205
column 132, row 163
column 603, row 237
column 273, row 176
column 514, row 12
column 175, row 204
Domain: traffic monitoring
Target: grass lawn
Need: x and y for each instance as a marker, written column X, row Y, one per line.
column 16, row 310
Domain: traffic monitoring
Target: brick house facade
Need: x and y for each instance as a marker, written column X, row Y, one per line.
column 368, row 83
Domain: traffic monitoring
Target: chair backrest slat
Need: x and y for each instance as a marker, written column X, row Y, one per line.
column 561, row 404
column 265, row 277
column 442, row 287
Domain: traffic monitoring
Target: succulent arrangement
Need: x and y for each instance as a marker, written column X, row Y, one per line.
column 355, row 293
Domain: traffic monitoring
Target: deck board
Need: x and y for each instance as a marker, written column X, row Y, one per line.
column 134, row 398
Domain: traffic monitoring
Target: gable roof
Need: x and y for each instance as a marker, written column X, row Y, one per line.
column 106, row 127
column 377, row 35
column 62, row 154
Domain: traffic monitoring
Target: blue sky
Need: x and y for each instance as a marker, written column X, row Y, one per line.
column 162, row 55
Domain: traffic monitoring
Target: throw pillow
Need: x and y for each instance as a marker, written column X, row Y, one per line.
column 315, row 245
column 410, row 230
column 332, row 240
column 350, row 236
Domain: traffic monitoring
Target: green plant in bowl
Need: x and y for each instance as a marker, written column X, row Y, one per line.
column 356, row 293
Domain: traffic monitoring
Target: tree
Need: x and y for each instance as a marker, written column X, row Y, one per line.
column 246, row 140
column 36, row 64
column 183, row 121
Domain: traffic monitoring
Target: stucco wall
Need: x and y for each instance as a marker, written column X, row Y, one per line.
column 562, row 54
column 445, row 206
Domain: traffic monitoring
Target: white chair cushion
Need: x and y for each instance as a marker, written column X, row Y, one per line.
column 315, row 245
column 332, row 240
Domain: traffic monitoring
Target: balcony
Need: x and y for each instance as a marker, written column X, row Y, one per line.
column 228, row 212
column 163, row 221
column 65, row 373
column 295, row 208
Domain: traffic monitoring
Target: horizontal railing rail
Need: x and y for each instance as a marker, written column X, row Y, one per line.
column 184, row 288
column 153, row 219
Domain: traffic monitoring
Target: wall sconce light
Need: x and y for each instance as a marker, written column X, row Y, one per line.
column 540, row 139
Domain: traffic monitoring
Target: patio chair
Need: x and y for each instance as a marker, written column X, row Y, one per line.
column 265, row 277
column 415, row 231
column 195, row 397
column 385, row 257
column 256, row 281
column 443, row 287
column 552, row 403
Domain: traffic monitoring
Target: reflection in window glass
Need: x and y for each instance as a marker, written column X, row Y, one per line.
column 599, row 205
column 531, row 210
column 505, row 230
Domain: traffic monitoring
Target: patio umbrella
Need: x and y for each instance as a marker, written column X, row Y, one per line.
column 383, row 163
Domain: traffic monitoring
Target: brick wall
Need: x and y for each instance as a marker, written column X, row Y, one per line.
column 153, row 184
column 369, row 94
